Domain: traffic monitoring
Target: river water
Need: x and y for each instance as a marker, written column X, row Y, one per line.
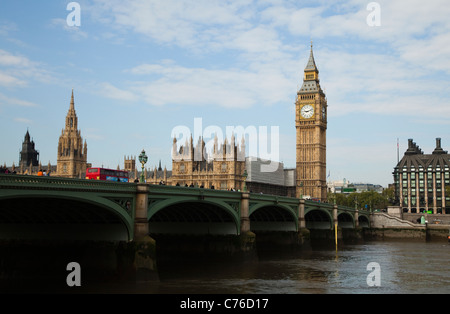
column 405, row 267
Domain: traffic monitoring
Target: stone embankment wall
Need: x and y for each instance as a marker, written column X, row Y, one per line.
column 393, row 225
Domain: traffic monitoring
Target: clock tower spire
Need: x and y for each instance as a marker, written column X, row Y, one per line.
column 311, row 126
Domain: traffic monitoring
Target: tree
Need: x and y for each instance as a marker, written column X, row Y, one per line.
column 389, row 195
column 369, row 200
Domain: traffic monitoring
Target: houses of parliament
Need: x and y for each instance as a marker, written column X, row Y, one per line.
column 226, row 167
column 71, row 154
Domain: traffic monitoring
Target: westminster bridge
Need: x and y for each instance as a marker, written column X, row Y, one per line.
column 133, row 229
column 48, row 207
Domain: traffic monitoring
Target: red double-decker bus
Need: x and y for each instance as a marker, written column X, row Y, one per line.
column 107, row 175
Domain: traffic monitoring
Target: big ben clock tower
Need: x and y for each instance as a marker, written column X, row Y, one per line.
column 311, row 126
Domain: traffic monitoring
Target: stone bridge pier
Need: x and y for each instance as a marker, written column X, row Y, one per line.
column 143, row 246
column 276, row 238
column 247, row 237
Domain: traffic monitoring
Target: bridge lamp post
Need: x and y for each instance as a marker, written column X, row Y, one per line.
column 143, row 160
column 245, row 175
column 334, row 195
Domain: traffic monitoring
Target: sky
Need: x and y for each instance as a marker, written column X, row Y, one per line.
column 142, row 70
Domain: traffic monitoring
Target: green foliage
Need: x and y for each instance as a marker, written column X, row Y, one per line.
column 370, row 200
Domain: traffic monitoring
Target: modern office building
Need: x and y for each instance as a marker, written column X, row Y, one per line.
column 278, row 182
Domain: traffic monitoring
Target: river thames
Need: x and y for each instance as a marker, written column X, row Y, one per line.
column 405, row 267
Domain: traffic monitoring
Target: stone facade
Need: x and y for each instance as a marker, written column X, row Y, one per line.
column 72, row 154
column 222, row 169
column 29, row 156
column 158, row 175
column 29, row 163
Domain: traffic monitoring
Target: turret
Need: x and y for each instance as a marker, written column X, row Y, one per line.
column 438, row 150
column 311, row 77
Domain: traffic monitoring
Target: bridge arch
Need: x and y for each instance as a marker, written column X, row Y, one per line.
column 345, row 220
column 193, row 216
column 363, row 221
column 272, row 217
column 62, row 216
column 318, row 219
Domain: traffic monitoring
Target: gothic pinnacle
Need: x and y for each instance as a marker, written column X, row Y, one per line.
column 72, row 102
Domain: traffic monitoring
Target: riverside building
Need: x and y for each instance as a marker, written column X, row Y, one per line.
column 422, row 181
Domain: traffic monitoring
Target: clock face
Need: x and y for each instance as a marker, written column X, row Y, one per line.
column 307, row 111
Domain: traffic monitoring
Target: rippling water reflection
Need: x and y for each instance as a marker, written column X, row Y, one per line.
column 406, row 267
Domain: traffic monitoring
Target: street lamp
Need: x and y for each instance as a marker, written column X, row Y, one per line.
column 143, row 160
column 245, row 175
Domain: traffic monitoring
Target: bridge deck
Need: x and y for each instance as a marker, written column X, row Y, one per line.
column 163, row 207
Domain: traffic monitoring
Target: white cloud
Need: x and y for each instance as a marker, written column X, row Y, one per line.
column 169, row 83
column 110, row 91
column 75, row 31
column 259, row 39
column 401, row 20
column 10, row 81
column 377, row 83
column 6, row 27
column 184, row 23
column 11, row 101
column 23, row 120
column 12, row 66
column 262, row 32
column 428, row 53
column 8, row 60
column 17, row 71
